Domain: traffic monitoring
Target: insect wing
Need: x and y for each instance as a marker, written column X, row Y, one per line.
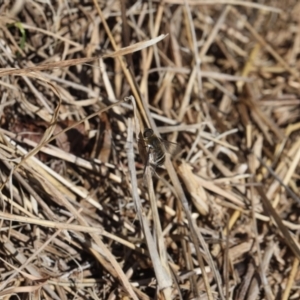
column 172, row 148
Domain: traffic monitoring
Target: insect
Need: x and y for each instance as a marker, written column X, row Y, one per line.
column 157, row 148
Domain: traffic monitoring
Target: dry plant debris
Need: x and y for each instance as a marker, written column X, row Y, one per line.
column 79, row 220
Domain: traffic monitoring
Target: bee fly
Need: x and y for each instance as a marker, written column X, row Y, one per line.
column 156, row 148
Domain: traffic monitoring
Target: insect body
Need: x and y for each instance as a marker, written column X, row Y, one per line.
column 157, row 148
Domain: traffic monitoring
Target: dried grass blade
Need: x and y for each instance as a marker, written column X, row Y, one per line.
column 285, row 233
column 135, row 47
column 72, row 62
column 163, row 277
column 291, row 280
column 194, row 232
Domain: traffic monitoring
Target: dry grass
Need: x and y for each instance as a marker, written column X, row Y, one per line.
column 79, row 220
